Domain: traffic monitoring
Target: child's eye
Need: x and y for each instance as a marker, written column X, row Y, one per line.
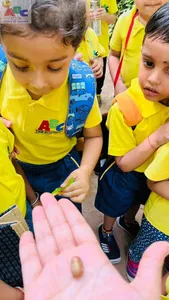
column 148, row 64
column 54, row 70
column 21, row 69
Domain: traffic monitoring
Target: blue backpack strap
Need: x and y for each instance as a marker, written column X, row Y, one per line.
column 3, row 62
column 82, row 88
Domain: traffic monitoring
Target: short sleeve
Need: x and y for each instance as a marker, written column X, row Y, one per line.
column 116, row 39
column 113, row 7
column 101, row 50
column 94, row 118
column 158, row 170
column 121, row 137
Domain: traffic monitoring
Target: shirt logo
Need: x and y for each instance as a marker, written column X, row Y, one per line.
column 50, row 127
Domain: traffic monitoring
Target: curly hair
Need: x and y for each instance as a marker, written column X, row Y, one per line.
column 68, row 18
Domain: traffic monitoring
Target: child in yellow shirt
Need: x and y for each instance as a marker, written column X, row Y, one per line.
column 49, row 98
column 13, row 184
column 106, row 13
column 92, row 52
column 131, row 59
column 122, row 183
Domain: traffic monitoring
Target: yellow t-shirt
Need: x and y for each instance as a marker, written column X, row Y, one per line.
column 132, row 55
column 111, row 8
column 90, row 46
column 157, row 208
column 38, row 125
column 12, row 188
column 122, row 138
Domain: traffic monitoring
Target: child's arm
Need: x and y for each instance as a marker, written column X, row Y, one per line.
column 159, row 187
column 113, row 63
column 9, row 293
column 78, row 190
column 31, row 196
column 137, row 156
column 104, row 16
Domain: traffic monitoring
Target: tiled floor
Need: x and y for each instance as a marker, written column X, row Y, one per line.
column 93, row 217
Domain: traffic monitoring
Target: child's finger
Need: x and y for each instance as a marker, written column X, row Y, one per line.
column 71, row 194
column 79, row 199
column 6, row 122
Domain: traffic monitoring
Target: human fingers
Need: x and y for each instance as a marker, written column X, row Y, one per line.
column 80, row 198
column 81, row 231
column 45, row 241
column 150, row 271
column 78, row 56
column 6, row 122
column 57, row 222
column 31, row 265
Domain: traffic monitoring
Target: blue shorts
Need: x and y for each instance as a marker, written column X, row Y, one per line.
column 119, row 191
column 46, row 178
column 147, row 235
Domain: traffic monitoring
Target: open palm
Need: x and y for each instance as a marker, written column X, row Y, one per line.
column 61, row 233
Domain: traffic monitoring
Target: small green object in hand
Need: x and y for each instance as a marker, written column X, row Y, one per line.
column 60, row 189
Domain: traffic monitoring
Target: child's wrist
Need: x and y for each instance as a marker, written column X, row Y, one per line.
column 153, row 141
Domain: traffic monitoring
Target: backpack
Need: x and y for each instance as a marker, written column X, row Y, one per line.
column 82, row 89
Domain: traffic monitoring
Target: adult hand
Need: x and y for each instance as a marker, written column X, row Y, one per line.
column 79, row 189
column 61, row 233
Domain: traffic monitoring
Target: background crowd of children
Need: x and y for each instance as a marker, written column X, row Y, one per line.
column 34, row 97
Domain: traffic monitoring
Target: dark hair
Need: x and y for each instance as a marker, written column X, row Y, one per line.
column 64, row 17
column 158, row 25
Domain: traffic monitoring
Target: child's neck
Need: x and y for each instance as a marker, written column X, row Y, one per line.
column 143, row 18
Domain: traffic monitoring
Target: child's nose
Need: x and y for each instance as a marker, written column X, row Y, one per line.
column 154, row 78
column 38, row 81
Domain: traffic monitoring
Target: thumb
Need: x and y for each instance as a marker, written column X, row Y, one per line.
column 148, row 279
column 92, row 60
column 6, row 122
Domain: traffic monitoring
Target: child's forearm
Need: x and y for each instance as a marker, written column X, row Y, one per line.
column 110, row 19
column 91, row 152
column 113, row 63
column 161, row 188
column 7, row 292
column 31, row 196
column 136, row 157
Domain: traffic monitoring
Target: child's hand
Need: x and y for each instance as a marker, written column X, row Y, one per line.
column 79, row 189
column 97, row 66
column 6, row 122
column 101, row 13
column 160, row 136
column 78, row 56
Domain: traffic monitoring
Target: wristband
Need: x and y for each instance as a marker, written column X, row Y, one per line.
column 37, row 199
column 21, row 292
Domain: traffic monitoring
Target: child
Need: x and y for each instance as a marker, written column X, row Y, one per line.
column 12, row 179
column 92, row 52
column 35, row 92
column 155, row 223
column 139, row 14
column 134, row 138
column 107, row 16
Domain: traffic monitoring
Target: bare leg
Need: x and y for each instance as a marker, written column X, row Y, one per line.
column 108, row 223
column 131, row 213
